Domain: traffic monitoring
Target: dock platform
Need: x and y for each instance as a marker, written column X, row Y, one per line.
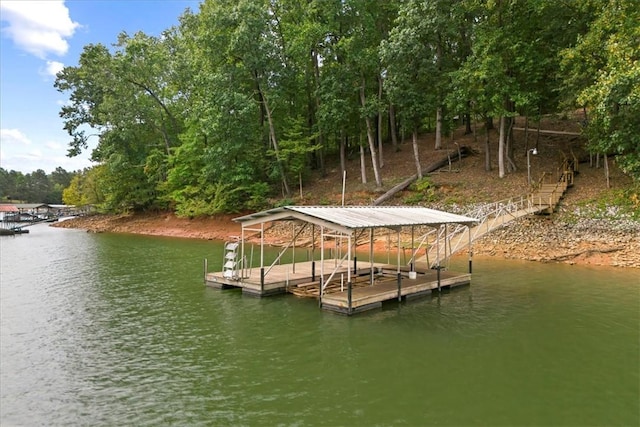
column 371, row 283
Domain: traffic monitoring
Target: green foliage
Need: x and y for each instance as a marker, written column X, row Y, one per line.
column 613, row 97
column 219, row 198
column 243, row 96
column 35, row 187
column 424, row 191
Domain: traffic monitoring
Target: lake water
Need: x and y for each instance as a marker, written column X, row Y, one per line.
column 105, row 329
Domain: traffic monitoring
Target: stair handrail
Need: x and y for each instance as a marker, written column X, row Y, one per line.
column 495, row 212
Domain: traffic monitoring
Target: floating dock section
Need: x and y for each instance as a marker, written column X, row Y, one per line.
column 341, row 283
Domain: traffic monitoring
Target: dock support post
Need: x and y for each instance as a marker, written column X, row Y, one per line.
column 371, row 276
column 355, row 265
column 313, row 271
column 206, row 268
column 438, row 275
column 399, row 287
column 349, row 298
column 261, row 281
column 470, row 250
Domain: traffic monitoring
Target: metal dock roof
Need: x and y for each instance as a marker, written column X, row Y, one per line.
column 358, row 217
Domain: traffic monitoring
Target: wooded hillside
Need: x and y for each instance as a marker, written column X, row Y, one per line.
column 244, row 99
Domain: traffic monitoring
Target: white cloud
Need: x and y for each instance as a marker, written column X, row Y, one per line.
column 53, row 68
column 10, row 137
column 35, row 154
column 39, row 27
column 52, row 145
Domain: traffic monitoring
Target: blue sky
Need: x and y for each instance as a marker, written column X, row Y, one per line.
column 38, row 38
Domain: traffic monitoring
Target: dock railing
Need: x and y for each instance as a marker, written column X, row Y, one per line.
column 490, row 216
column 445, row 241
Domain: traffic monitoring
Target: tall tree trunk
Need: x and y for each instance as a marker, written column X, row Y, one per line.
column 392, row 127
column 363, row 163
column 488, row 122
column 467, row 123
column 438, row 128
column 606, row 170
column 276, row 149
column 439, row 57
column 511, row 166
column 487, row 152
column 501, row 147
column 416, row 154
column 380, row 151
column 371, row 139
column 343, row 156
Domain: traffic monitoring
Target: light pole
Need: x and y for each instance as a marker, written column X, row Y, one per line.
column 534, row 152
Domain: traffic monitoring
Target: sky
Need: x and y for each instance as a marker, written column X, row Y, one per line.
column 37, row 39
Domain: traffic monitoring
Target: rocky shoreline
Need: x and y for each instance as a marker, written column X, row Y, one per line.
column 587, row 241
column 580, row 240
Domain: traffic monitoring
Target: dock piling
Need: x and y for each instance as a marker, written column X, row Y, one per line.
column 206, row 270
column 261, row 280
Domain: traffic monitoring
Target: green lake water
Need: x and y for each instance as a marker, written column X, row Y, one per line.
column 110, row 330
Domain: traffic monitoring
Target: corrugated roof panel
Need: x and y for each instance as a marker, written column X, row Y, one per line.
column 367, row 216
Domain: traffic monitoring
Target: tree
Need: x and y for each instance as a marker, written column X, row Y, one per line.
column 360, row 48
column 85, row 188
column 512, row 62
column 417, row 60
column 612, row 96
column 127, row 98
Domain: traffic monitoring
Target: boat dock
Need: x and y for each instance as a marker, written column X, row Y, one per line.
column 370, row 285
column 340, row 283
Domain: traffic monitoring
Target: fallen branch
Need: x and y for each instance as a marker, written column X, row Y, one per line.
column 584, row 252
column 464, row 151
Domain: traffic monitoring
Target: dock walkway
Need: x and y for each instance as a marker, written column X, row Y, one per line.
column 544, row 199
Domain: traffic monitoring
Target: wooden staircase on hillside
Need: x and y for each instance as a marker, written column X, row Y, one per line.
column 440, row 244
column 547, row 195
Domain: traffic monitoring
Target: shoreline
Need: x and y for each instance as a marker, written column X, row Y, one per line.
column 596, row 242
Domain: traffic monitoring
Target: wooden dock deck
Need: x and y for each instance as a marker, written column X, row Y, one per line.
column 367, row 291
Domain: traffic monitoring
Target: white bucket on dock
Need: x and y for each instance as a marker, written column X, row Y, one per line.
column 413, row 275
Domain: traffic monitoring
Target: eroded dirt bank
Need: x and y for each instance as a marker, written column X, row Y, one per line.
column 591, row 242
